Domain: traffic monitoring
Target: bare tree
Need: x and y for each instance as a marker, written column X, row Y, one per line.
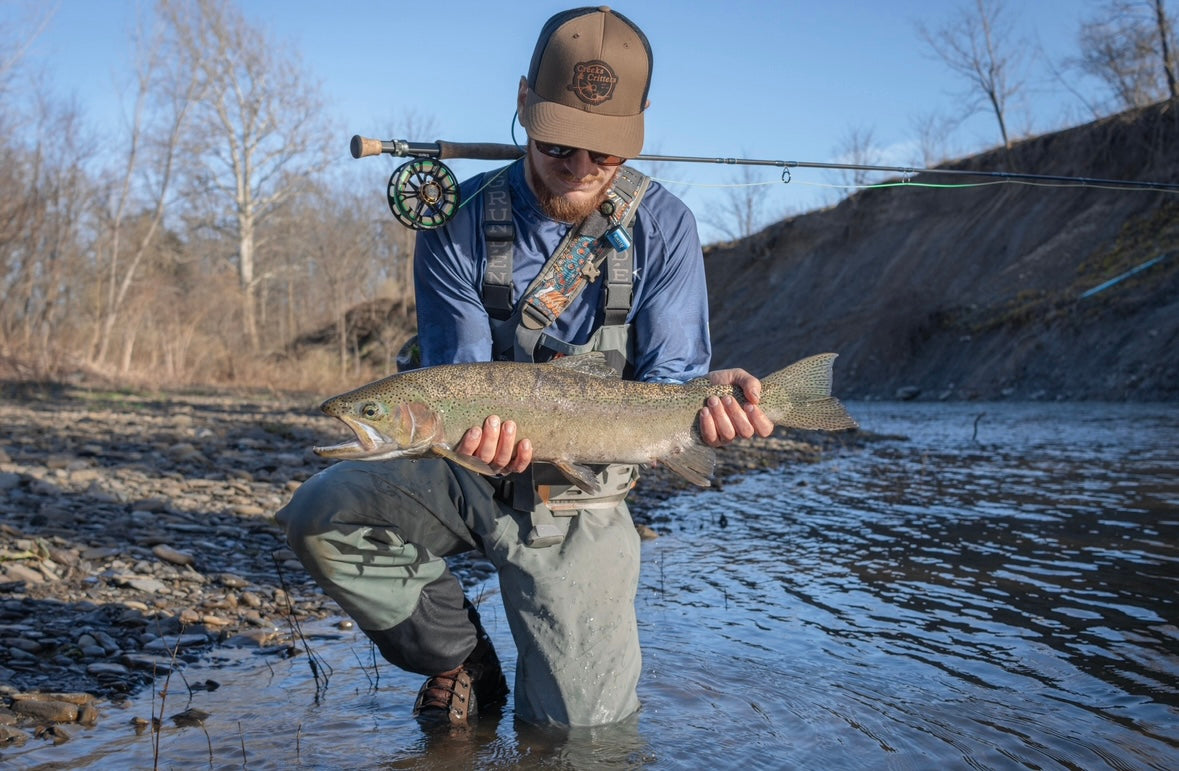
column 17, row 36
column 1130, row 46
column 1166, row 46
column 153, row 142
column 43, row 240
column 857, row 147
column 257, row 134
column 933, row 133
column 741, row 210
column 978, row 45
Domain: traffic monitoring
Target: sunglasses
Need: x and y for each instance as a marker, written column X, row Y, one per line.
column 560, row 151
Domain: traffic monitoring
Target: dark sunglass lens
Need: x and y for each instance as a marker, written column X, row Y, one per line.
column 554, row 151
column 560, row 151
column 603, row 159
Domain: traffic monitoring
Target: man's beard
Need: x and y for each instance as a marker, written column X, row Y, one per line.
column 559, row 208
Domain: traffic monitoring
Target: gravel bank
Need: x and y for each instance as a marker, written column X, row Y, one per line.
column 137, row 533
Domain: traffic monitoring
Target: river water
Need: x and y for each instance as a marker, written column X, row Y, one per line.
column 995, row 587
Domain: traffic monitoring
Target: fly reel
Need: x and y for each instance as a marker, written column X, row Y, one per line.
column 423, row 194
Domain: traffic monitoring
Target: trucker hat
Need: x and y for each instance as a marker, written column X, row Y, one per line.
column 588, row 82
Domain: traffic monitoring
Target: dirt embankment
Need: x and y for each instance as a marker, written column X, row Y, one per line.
column 976, row 293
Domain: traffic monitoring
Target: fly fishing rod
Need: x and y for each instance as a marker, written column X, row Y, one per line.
column 424, row 193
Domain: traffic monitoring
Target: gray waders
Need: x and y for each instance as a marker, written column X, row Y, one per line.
column 373, row 534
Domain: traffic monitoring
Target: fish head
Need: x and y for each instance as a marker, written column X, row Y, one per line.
column 384, row 427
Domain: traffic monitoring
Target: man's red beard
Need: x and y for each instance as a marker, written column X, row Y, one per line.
column 560, row 209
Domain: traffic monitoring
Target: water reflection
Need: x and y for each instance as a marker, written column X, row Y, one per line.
column 959, row 598
column 991, row 592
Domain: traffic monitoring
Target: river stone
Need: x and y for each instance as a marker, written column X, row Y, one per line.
column 253, row 638
column 55, row 733
column 31, row 646
column 88, row 715
column 15, row 571
column 12, row 737
column 9, row 480
column 45, row 488
column 184, row 452
column 160, row 665
column 172, row 642
column 80, row 699
column 175, row 556
column 52, row 711
column 106, row 668
column 190, row 717
column 146, row 585
column 58, row 461
column 101, row 552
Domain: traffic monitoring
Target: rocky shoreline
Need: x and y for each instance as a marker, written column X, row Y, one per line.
column 137, row 534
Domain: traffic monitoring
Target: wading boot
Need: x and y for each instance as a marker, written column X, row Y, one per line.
column 453, row 698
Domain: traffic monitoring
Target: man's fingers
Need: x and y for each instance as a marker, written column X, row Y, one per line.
column 758, row 419
column 469, row 444
column 489, row 441
column 506, row 446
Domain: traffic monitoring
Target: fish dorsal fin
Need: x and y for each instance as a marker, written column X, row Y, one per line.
column 592, row 363
column 695, row 463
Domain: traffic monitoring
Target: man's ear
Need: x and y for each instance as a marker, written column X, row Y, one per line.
column 522, row 95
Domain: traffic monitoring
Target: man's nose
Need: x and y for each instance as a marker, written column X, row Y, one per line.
column 579, row 163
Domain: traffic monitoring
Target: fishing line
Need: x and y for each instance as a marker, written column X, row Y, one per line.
column 908, row 183
column 424, row 194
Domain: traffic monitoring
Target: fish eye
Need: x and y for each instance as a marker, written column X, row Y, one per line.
column 371, row 410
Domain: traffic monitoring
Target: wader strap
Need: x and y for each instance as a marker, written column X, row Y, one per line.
column 499, row 238
column 629, row 189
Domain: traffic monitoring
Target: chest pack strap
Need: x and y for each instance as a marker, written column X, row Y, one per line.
column 576, row 263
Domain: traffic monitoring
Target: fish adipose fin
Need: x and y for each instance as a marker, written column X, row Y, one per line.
column 695, row 463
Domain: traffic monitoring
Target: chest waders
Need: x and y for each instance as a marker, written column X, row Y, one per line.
column 600, row 245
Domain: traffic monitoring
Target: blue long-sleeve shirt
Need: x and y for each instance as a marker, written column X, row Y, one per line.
column 669, row 312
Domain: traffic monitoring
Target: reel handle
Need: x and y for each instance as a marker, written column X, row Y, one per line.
column 363, row 147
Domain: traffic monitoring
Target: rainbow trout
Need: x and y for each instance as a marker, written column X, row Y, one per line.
column 574, row 410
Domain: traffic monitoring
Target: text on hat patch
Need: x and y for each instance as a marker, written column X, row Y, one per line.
column 593, row 81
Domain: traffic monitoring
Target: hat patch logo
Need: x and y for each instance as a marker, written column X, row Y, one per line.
column 593, row 81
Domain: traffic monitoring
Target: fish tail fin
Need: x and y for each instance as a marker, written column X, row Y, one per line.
column 799, row 396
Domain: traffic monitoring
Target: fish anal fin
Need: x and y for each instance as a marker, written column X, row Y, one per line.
column 581, row 476
column 695, row 463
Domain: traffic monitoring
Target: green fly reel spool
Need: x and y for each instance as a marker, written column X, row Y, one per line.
column 423, row 194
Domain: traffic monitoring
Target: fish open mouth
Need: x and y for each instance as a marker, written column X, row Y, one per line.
column 369, row 444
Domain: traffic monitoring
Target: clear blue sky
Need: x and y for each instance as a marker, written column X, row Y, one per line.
column 775, row 80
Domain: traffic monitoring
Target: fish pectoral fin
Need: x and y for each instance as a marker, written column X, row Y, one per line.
column 466, row 461
column 581, row 476
column 695, row 463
